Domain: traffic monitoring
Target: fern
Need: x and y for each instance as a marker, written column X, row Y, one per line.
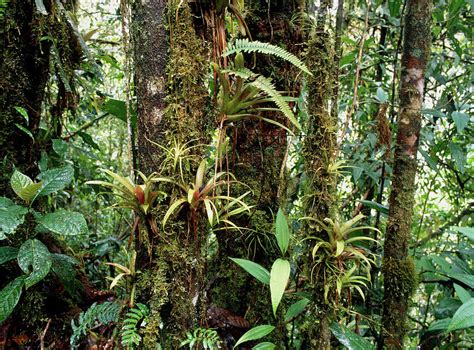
column 244, row 45
column 135, row 319
column 266, row 86
column 97, row 315
column 202, row 338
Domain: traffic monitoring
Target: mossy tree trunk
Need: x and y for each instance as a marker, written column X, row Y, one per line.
column 257, row 159
column 24, row 71
column 171, row 68
column 319, row 151
column 398, row 269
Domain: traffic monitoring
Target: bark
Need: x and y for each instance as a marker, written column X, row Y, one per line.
column 24, row 71
column 319, row 152
column 170, row 72
column 398, row 270
column 150, row 58
column 257, row 159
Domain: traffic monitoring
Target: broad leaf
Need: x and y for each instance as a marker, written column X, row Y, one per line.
column 349, row 339
column 35, row 260
column 11, row 215
column 19, row 181
column 463, row 277
column 295, row 309
column 464, row 317
column 9, row 297
column 7, row 254
column 282, row 231
column 466, row 231
column 382, row 95
column 256, row 270
column 54, row 180
column 460, row 119
column 64, row 222
column 458, row 155
column 463, row 294
column 279, row 276
column 255, row 333
column 377, row 206
column 264, row 346
column 440, row 325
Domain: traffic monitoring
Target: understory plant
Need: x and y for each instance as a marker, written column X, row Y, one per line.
column 22, row 226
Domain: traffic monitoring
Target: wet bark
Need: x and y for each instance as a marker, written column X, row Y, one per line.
column 398, row 269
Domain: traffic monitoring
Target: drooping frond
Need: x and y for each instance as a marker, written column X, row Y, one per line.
column 244, row 45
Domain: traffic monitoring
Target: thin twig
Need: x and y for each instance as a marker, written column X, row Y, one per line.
column 43, row 335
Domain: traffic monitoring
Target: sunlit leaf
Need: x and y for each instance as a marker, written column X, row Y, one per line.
column 65, row 222
column 282, row 232
column 279, row 276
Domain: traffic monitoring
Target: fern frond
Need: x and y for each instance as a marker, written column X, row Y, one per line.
column 244, row 45
column 96, row 315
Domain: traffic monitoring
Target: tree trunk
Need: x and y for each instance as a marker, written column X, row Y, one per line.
column 24, row 71
column 319, row 152
column 398, row 269
column 170, row 73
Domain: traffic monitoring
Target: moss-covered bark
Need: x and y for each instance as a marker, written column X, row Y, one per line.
column 257, row 159
column 319, row 152
column 24, row 71
column 398, row 270
column 170, row 72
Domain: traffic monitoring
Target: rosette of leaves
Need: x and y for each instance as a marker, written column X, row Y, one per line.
column 137, row 197
column 208, row 196
column 340, row 256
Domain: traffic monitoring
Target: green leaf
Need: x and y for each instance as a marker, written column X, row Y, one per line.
column 440, row 325
column 466, row 231
column 23, row 112
column 19, row 181
column 11, row 215
column 349, row 339
column 264, row 346
column 54, row 180
column 7, row 254
column 461, row 120
column 279, row 276
column 89, row 140
column 25, row 130
column 282, row 232
column 60, row 147
column 458, row 156
column 295, row 309
column 464, row 317
column 244, row 45
column 255, row 333
column 463, row 294
column 9, row 297
column 377, row 206
column 64, row 222
column 256, row 270
column 35, row 260
column 465, row 278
